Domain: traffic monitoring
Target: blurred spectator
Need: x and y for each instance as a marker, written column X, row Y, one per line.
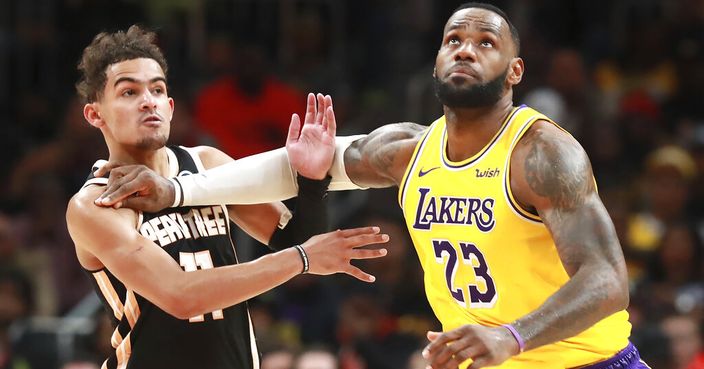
column 416, row 360
column 35, row 263
column 39, row 186
column 642, row 60
column 275, row 334
column 697, row 187
column 94, row 348
column 568, row 97
column 305, row 310
column 316, row 357
column 684, row 108
column 246, row 110
column 78, row 364
column 308, row 62
column 280, row 358
column 370, row 337
column 685, row 341
column 639, row 122
column 183, row 128
column 669, row 171
column 15, row 304
column 673, row 267
column 68, row 157
column 42, row 226
column 654, row 346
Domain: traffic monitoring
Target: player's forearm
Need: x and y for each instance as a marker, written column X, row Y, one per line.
column 257, row 179
column 592, row 294
column 207, row 290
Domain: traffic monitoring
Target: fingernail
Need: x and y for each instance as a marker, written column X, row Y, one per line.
column 383, row 251
column 385, row 237
column 372, row 279
column 375, row 229
column 425, row 355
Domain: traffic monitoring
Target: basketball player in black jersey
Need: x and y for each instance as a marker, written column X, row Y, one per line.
column 170, row 279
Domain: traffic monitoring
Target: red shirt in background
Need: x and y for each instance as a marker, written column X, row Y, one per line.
column 243, row 125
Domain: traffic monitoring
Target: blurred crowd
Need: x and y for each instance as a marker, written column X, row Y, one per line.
column 625, row 77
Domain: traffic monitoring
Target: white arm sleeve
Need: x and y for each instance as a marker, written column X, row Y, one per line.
column 256, row 179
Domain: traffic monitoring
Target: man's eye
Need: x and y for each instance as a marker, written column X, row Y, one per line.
column 487, row 43
column 128, row 93
column 454, row 41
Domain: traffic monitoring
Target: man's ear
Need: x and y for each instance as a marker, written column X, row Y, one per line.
column 92, row 115
column 515, row 74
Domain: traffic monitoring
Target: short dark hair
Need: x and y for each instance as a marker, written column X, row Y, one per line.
column 110, row 48
column 501, row 13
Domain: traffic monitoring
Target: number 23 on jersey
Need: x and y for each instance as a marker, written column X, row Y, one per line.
column 482, row 293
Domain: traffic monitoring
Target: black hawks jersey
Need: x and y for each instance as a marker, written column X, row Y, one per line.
column 145, row 336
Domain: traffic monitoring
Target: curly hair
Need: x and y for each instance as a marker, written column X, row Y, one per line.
column 110, row 48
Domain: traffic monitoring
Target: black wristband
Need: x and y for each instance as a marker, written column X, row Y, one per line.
column 313, row 187
column 309, row 214
column 304, row 258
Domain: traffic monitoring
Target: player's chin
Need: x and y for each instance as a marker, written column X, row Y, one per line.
column 154, row 142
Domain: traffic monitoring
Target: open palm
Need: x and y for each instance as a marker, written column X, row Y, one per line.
column 311, row 147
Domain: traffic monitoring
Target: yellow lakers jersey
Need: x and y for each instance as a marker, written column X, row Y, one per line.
column 486, row 260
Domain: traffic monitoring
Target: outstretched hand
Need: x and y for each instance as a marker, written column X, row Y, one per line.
column 332, row 252
column 311, row 147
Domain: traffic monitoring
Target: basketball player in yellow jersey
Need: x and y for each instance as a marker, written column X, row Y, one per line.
column 522, row 264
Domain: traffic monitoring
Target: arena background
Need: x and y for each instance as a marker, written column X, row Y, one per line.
column 624, row 77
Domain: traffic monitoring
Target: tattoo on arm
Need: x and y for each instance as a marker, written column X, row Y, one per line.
column 558, row 171
column 561, row 184
column 380, row 159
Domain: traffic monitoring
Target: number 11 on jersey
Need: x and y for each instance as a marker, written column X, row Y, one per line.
column 190, row 262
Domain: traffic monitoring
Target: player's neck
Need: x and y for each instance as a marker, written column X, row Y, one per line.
column 156, row 160
column 469, row 130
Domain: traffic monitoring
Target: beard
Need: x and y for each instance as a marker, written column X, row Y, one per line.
column 153, row 143
column 476, row 96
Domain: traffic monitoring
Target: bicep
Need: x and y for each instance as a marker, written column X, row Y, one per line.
column 259, row 221
column 552, row 174
column 110, row 235
column 380, row 159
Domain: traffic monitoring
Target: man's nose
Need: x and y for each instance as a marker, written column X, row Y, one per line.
column 148, row 101
column 466, row 51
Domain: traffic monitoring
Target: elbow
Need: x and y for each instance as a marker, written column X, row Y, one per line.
column 176, row 302
column 624, row 295
column 619, row 295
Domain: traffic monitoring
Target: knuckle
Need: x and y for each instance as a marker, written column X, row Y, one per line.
column 461, row 356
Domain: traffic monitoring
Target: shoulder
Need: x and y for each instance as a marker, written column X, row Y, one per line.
column 82, row 211
column 83, row 201
column 380, row 158
column 549, row 165
column 210, row 156
column 546, row 142
column 403, row 130
column 396, row 136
